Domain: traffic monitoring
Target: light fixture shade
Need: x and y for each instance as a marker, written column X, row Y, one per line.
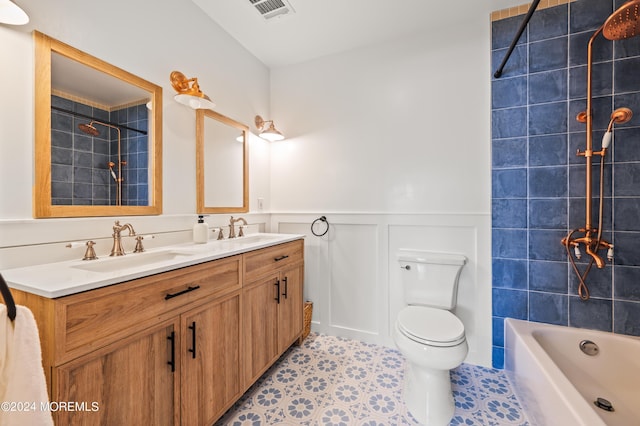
column 11, row 13
column 271, row 133
column 195, row 102
column 189, row 92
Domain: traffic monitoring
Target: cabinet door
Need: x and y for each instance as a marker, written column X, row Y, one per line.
column 127, row 383
column 210, row 360
column 260, row 316
column 290, row 315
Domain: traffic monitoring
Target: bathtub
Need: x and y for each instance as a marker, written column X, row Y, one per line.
column 558, row 384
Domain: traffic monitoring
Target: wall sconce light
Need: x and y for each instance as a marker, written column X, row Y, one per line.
column 271, row 133
column 189, row 94
column 11, row 13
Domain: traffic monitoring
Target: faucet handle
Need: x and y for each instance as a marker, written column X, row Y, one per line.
column 241, row 232
column 90, row 253
column 220, row 234
column 139, row 248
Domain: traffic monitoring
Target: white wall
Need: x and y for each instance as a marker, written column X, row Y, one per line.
column 398, row 127
column 149, row 39
column 391, row 143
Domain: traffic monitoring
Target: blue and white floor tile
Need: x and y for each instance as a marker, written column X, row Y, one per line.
column 335, row 381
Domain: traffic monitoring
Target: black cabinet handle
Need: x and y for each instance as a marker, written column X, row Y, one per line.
column 192, row 327
column 172, row 361
column 277, row 298
column 286, row 287
column 187, row 290
column 279, row 258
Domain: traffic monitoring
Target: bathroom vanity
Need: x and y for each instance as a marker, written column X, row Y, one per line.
column 179, row 346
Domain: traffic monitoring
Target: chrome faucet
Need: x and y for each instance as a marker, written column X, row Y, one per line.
column 117, row 250
column 232, row 231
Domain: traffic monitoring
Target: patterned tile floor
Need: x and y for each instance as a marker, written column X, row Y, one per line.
column 335, row 381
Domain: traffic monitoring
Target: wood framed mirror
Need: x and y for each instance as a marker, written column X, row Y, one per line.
column 98, row 136
column 222, row 164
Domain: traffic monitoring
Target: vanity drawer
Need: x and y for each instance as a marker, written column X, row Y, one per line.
column 96, row 318
column 266, row 260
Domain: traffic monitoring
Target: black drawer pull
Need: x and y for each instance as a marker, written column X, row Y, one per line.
column 277, row 298
column 279, row 258
column 286, row 288
column 172, row 361
column 187, row 290
column 192, row 327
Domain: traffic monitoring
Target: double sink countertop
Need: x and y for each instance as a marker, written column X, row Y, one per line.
column 59, row 279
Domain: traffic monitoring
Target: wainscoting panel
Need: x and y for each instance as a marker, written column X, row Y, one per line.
column 354, row 291
column 342, row 278
column 353, row 277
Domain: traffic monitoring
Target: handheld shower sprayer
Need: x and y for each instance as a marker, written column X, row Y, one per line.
column 113, row 174
column 619, row 116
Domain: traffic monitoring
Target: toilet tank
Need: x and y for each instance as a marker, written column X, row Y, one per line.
column 430, row 278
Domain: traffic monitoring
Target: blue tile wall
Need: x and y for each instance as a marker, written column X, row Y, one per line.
column 79, row 171
column 538, row 183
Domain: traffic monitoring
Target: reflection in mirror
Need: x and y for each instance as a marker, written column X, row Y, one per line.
column 98, row 136
column 221, row 164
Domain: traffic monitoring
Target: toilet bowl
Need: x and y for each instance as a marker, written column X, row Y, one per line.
column 428, row 334
column 433, row 342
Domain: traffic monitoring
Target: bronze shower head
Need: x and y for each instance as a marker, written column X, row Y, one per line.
column 88, row 129
column 624, row 22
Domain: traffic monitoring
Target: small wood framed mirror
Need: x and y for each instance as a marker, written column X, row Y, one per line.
column 222, row 164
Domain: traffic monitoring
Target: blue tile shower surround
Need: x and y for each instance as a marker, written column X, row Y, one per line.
column 79, row 170
column 538, row 183
column 336, row 381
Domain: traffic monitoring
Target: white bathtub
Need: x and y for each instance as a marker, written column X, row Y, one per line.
column 557, row 383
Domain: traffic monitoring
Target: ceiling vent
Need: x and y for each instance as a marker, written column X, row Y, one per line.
column 270, row 9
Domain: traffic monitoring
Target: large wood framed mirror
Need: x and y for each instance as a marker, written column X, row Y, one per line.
column 222, row 164
column 98, row 136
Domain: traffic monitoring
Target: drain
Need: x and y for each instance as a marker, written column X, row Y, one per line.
column 589, row 348
column 603, row 404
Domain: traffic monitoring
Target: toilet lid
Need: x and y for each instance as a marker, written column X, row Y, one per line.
column 431, row 326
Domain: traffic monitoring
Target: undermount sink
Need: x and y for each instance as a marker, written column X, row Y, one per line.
column 133, row 260
column 250, row 239
column 246, row 241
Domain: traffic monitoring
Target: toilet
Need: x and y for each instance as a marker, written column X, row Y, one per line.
column 428, row 334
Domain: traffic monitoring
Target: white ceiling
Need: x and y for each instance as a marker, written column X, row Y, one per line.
column 322, row 27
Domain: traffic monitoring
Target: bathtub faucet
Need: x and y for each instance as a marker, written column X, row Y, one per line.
column 591, row 246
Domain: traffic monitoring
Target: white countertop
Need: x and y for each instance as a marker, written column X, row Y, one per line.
column 59, row 279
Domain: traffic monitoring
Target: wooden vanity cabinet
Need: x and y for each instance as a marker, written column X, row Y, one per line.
column 176, row 348
column 272, row 305
column 127, row 349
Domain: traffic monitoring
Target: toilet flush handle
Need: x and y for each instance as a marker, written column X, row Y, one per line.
column 407, row 267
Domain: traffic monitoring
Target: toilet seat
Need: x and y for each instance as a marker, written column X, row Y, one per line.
column 431, row 326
